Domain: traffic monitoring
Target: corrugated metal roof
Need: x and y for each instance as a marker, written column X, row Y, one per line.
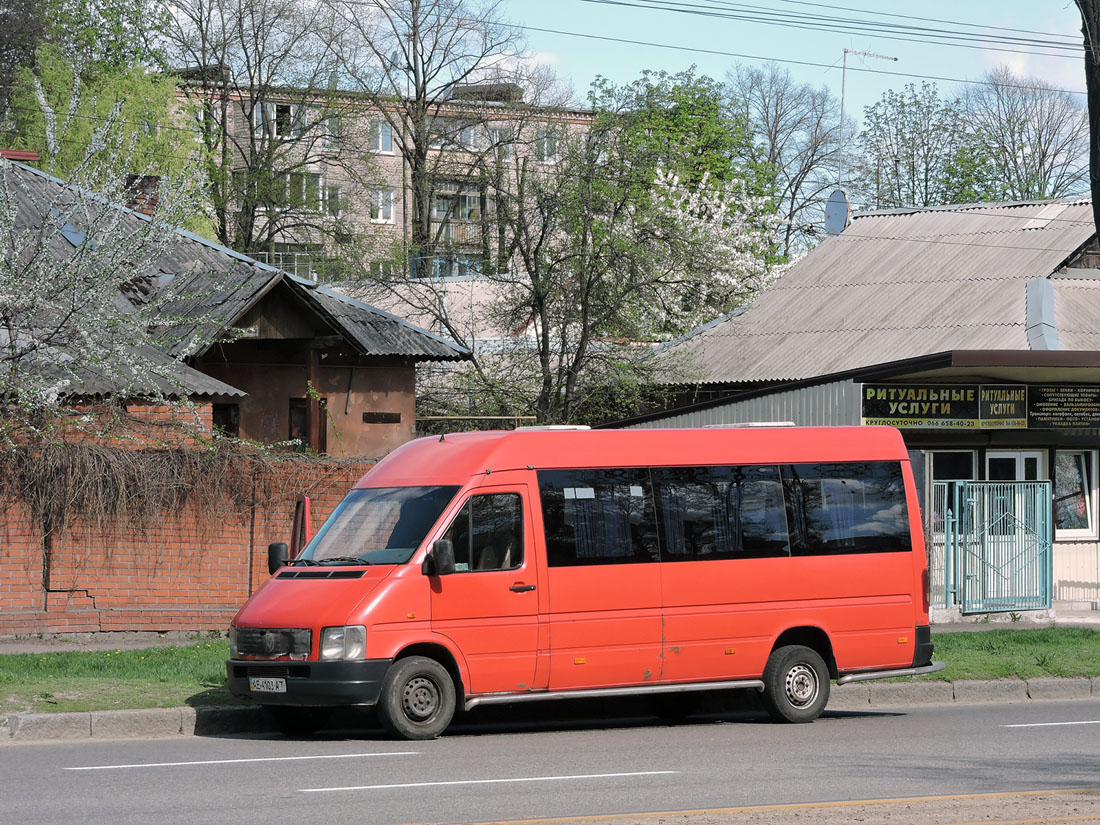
column 203, row 289
column 379, row 333
column 903, row 284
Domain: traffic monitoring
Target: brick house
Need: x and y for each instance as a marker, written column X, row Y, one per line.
column 265, row 337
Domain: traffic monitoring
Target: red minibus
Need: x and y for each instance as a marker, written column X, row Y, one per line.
column 497, row 567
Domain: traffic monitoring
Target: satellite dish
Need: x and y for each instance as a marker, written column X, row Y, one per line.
column 837, row 211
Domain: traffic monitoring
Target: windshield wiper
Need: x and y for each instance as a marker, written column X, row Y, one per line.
column 343, row 560
column 306, row 562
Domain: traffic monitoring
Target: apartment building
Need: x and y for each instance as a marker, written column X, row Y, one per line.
column 329, row 173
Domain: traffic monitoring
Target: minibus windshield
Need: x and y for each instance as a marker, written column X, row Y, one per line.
column 379, row 525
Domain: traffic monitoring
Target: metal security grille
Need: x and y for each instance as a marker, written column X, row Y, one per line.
column 996, row 545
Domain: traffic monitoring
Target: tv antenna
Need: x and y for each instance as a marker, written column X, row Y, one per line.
column 843, row 78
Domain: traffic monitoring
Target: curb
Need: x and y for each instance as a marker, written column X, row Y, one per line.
column 224, row 720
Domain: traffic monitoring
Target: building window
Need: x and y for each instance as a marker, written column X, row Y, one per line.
column 380, row 139
column 280, row 120
column 547, row 146
column 295, row 190
column 501, row 140
column 950, row 465
column 332, row 131
column 440, row 132
column 299, row 425
column 1075, row 494
column 465, row 267
column 381, row 206
column 470, row 136
column 331, row 195
column 227, row 419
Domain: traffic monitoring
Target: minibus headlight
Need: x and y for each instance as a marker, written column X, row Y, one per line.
column 232, row 642
column 348, row 642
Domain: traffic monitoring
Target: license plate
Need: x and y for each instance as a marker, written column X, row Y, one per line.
column 267, row 685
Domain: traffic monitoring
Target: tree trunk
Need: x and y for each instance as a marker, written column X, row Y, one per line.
column 1090, row 25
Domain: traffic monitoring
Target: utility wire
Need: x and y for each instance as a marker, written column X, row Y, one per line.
column 810, row 23
column 1058, row 41
column 787, row 61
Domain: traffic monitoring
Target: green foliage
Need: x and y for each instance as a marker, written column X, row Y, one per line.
column 908, row 140
column 970, row 175
column 105, row 36
column 680, row 123
column 145, row 119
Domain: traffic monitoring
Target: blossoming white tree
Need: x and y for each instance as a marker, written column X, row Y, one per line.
column 77, row 298
column 612, row 251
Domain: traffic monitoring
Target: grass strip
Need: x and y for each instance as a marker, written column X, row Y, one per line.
column 153, row 677
column 195, row 674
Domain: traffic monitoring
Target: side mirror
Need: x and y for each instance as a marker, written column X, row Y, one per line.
column 277, row 556
column 442, row 558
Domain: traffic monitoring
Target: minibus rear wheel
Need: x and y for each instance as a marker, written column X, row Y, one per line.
column 796, row 684
column 417, row 699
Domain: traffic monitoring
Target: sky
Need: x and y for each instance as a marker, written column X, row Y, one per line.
column 715, row 45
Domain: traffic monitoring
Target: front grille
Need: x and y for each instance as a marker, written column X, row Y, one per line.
column 266, row 643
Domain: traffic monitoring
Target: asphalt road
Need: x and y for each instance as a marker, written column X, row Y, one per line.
column 506, row 768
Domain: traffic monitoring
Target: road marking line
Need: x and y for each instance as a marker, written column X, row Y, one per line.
column 1042, row 821
column 238, row 761
column 488, row 781
column 1051, row 724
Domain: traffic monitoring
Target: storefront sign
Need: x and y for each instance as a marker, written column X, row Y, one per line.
column 1058, row 407
column 953, row 406
column 981, row 406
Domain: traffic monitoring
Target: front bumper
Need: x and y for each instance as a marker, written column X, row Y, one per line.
column 310, row 684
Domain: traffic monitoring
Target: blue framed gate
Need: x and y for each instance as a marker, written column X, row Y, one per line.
column 991, row 545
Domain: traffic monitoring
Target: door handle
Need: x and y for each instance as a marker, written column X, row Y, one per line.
column 521, row 588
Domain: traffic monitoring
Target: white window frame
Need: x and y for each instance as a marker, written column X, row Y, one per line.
column 331, row 199
column 1089, row 533
column 379, row 134
column 548, row 145
column 266, row 120
column 502, row 140
column 332, row 130
column 380, row 205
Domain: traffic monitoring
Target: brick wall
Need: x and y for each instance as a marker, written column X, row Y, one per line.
column 188, row 571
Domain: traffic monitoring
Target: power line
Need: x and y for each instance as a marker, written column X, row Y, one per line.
column 922, row 19
column 1045, row 39
column 787, row 61
column 843, row 26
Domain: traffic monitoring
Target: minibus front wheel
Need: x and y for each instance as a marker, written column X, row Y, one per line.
column 417, row 699
column 796, row 684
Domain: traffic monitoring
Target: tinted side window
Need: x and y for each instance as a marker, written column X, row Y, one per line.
column 720, row 512
column 856, row 507
column 488, row 533
column 597, row 517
